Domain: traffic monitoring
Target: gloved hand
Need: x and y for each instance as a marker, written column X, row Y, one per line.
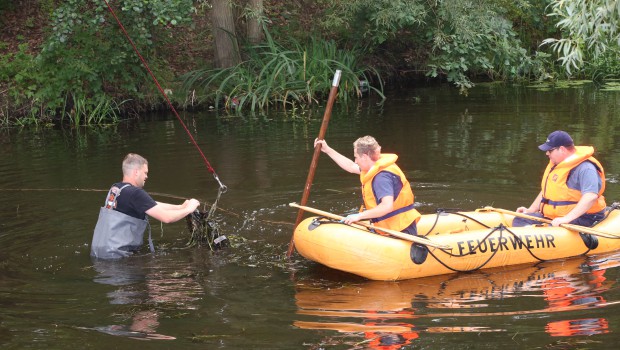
column 349, row 219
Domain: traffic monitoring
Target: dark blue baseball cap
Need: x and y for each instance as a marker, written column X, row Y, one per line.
column 556, row 139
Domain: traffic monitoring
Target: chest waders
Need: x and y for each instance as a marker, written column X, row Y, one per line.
column 117, row 235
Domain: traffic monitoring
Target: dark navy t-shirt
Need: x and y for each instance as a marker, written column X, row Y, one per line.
column 585, row 178
column 386, row 183
column 133, row 201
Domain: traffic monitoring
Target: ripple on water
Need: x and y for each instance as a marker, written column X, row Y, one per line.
column 552, row 294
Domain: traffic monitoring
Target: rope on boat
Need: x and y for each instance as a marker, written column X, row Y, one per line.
column 441, row 211
column 612, row 207
column 472, row 219
column 468, row 253
column 588, row 241
column 502, row 228
column 208, row 220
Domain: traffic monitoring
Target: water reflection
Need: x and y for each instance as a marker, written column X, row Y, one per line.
column 390, row 315
column 144, row 284
column 460, row 152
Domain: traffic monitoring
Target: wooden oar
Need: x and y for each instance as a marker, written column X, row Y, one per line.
column 361, row 225
column 571, row 227
column 315, row 156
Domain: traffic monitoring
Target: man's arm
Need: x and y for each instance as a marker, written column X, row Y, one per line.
column 383, row 185
column 534, row 207
column 585, row 179
column 585, row 203
column 168, row 213
column 342, row 161
column 386, row 206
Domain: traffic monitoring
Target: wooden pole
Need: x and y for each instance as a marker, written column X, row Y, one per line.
column 401, row 235
column 571, row 227
column 315, row 157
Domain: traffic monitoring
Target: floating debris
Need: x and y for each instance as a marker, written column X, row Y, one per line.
column 559, row 84
column 205, row 231
column 611, row 86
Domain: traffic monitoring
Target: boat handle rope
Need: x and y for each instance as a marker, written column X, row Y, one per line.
column 444, row 211
column 472, row 219
column 469, row 253
column 321, row 220
column 612, row 207
column 501, row 229
column 439, row 212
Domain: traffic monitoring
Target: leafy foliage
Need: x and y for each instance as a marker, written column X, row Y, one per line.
column 86, row 60
column 457, row 39
column 473, row 37
column 274, row 74
column 603, row 66
column 376, row 20
column 590, row 28
column 86, row 65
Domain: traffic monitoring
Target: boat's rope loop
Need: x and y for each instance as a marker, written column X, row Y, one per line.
column 472, row 219
column 472, row 251
column 501, row 229
column 443, row 211
column 608, row 210
column 439, row 212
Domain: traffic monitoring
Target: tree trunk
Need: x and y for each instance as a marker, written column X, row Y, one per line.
column 254, row 18
column 225, row 38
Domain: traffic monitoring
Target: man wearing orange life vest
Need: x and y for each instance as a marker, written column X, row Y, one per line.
column 572, row 185
column 388, row 198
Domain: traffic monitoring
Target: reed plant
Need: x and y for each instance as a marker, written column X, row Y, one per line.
column 79, row 110
column 4, row 116
column 275, row 75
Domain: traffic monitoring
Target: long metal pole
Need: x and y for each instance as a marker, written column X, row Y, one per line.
column 315, row 157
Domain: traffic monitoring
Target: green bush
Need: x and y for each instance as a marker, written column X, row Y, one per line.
column 274, row 75
column 86, row 65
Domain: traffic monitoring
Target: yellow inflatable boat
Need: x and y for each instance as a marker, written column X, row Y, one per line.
column 449, row 242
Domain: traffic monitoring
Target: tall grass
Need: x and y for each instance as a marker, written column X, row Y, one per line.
column 84, row 111
column 274, row 75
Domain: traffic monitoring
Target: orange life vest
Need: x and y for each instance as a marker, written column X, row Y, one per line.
column 581, row 327
column 557, row 198
column 404, row 213
column 389, row 340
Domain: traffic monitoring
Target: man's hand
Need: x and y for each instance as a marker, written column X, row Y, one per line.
column 351, row 219
column 559, row 221
column 192, row 204
column 522, row 210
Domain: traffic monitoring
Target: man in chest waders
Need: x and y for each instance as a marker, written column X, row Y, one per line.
column 123, row 218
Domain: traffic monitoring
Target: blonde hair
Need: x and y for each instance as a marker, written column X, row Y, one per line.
column 133, row 161
column 369, row 146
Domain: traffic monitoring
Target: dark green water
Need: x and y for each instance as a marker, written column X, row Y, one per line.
column 459, row 152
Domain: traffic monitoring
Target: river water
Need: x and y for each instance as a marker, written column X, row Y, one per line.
column 458, row 151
